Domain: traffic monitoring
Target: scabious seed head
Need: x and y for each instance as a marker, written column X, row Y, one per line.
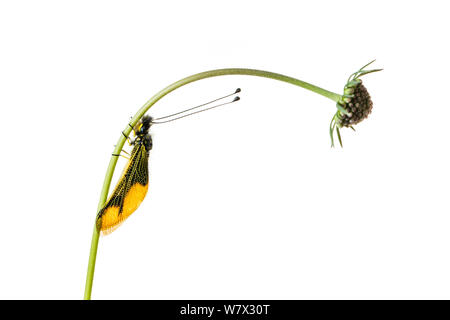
column 358, row 105
column 354, row 106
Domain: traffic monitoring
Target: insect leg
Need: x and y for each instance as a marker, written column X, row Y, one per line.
column 125, row 152
column 128, row 139
column 120, row 155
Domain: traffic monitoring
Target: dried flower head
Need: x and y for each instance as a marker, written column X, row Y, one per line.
column 354, row 106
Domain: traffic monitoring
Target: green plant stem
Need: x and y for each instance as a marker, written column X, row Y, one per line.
column 203, row 75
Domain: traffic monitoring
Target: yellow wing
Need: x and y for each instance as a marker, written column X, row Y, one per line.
column 128, row 194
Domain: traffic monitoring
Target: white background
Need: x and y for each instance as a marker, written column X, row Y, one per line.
column 245, row 202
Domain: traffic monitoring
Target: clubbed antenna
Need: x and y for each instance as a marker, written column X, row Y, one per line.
column 169, row 117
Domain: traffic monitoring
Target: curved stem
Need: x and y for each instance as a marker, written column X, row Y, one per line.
column 203, row 75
